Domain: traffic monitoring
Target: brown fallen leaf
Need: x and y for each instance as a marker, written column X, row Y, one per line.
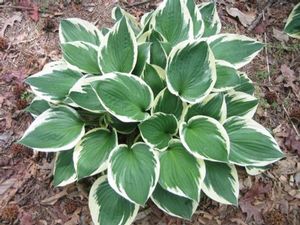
column 280, row 35
column 291, row 80
column 10, row 22
column 245, row 19
column 75, row 218
column 7, row 184
column 246, row 202
column 53, row 199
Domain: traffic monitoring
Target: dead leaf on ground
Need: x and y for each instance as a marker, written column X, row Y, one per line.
column 280, row 35
column 245, row 19
column 75, row 218
column 291, row 80
column 6, row 185
column 10, row 22
column 53, row 199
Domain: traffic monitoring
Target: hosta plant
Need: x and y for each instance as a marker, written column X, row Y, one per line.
column 154, row 109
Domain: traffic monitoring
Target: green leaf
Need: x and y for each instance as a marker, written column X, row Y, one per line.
column 121, row 127
column 158, row 129
column 245, row 85
column 180, row 172
column 227, row 76
column 198, row 24
column 221, row 183
column 173, row 21
column 118, row 14
column 154, row 76
column 292, row 26
column 205, row 138
column 210, row 17
column 158, row 55
column 191, row 71
column 133, row 171
column 83, row 95
column 213, row 105
column 125, row 96
column 118, row 50
column 54, row 130
column 173, row 205
column 81, row 56
column 240, row 104
column 228, row 47
column 75, row 29
column 37, row 107
column 91, row 153
column 63, row 170
column 53, row 73
column 168, row 103
column 256, row 170
column 250, row 143
column 107, row 207
column 142, row 59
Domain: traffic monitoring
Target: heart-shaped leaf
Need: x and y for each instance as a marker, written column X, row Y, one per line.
column 180, row 172
column 204, row 137
column 133, row 171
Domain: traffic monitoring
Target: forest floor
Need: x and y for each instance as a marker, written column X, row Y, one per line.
column 29, row 39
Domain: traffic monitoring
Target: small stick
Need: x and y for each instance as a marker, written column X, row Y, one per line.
column 139, row 3
column 260, row 15
column 15, row 7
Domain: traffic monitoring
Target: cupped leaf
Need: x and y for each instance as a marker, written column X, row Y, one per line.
column 213, row 105
column 142, row 58
column 228, row 47
column 191, row 71
column 227, row 76
column 125, row 96
column 63, row 170
column 180, row 172
column 245, row 85
column 250, row 143
column 83, row 95
column 121, row 127
column 292, row 26
column 75, row 29
column 205, row 138
column 158, row 129
column 221, row 183
column 240, row 104
column 210, row 17
column 107, row 207
column 198, row 24
column 91, row 153
column 56, row 129
column 118, row 50
column 168, row 103
column 173, row 21
column 42, row 83
column 37, row 107
column 81, row 56
column 154, row 76
column 172, row 204
column 118, row 14
column 133, row 171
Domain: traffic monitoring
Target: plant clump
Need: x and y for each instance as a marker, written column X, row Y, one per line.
column 156, row 109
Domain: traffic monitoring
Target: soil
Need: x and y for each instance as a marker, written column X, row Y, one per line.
column 29, row 39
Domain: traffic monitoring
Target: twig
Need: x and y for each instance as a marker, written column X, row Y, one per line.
column 138, row 3
column 15, row 7
column 293, row 125
column 260, row 15
column 266, row 50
